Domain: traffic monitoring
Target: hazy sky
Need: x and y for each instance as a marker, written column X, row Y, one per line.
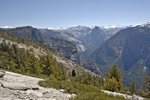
column 67, row 13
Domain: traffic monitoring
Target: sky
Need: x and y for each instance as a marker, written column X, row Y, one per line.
column 69, row 13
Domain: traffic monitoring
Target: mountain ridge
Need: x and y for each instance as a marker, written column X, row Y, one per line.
column 129, row 49
column 66, row 48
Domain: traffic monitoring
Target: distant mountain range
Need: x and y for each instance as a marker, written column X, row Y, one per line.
column 64, row 47
column 75, row 43
column 98, row 48
column 86, row 39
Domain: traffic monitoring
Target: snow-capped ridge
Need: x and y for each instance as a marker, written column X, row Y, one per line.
column 57, row 28
column 141, row 25
column 6, row 27
column 112, row 26
column 145, row 25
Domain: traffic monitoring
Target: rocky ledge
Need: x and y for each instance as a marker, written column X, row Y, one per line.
column 129, row 97
column 15, row 86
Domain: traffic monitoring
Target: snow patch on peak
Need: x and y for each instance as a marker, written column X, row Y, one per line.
column 145, row 25
column 135, row 25
column 112, row 26
column 144, row 69
column 81, row 48
column 141, row 25
column 78, row 28
column 92, row 27
column 57, row 28
column 6, row 27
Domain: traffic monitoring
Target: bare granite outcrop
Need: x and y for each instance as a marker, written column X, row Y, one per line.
column 15, row 86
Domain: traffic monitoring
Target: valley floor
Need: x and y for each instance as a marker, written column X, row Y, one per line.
column 15, row 86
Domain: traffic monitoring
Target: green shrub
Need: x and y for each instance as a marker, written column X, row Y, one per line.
column 83, row 92
column 111, row 85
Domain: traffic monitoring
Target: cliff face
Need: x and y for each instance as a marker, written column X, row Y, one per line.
column 65, row 48
column 93, row 40
column 129, row 49
column 74, row 35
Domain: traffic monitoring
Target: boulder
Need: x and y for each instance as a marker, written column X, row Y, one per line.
column 2, row 73
column 15, row 86
column 61, row 90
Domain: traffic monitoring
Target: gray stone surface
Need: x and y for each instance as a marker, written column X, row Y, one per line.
column 15, row 86
column 20, row 87
column 2, row 73
column 134, row 97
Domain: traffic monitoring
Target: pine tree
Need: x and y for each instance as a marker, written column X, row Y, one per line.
column 132, row 88
column 115, row 72
column 147, row 86
column 35, row 65
column 22, row 68
column 46, row 63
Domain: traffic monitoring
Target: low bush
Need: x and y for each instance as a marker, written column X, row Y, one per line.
column 83, row 92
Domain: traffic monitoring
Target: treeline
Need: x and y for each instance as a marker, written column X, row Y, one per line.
column 23, row 61
column 18, row 39
column 88, row 79
column 7, row 35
